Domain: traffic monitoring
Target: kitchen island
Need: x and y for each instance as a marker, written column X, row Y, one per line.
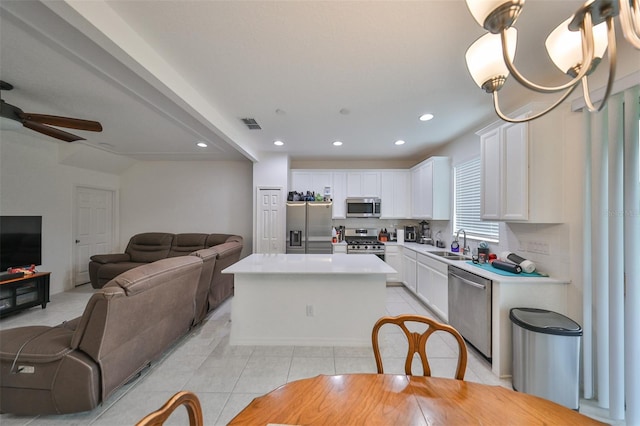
column 307, row 299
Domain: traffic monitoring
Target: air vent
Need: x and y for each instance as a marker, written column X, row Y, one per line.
column 251, row 123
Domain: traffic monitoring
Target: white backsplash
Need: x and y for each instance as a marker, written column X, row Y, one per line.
column 547, row 245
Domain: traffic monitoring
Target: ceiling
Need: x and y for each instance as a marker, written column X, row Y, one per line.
column 160, row 78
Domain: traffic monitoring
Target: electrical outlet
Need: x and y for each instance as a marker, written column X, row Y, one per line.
column 544, row 248
column 309, row 310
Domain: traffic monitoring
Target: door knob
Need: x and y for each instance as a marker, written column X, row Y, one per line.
column 77, row 241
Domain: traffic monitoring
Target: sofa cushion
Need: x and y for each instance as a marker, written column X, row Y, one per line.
column 111, row 270
column 216, row 239
column 185, row 244
column 35, row 344
column 149, row 246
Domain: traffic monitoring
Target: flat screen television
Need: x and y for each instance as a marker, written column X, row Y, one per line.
column 20, row 241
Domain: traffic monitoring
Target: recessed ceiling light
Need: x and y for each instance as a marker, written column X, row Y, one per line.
column 399, row 142
column 278, row 143
column 426, row 117
column 337, row 143
column 202, row 144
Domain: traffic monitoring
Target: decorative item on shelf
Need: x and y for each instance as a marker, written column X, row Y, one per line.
column 576, row 47
column 25, row 270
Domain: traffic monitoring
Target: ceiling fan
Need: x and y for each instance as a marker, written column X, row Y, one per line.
column 42, row 123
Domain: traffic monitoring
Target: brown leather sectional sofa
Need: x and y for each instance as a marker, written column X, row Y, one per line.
column 127, row 324
column 78, row 364
column 151, row 246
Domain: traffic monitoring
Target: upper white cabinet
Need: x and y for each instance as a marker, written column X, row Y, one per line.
column 339, row 195
column 303, row 180
column 395, row 193
column 431, row 189
column 363, row 184
column 311, row 180
column 521, row 170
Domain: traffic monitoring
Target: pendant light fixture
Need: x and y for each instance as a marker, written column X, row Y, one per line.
column 576, row 47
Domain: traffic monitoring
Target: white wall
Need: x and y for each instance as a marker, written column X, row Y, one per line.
column 272, row 171
column 187, row 196
column 32, row 182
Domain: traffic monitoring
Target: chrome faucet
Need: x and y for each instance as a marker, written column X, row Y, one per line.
column 465, row 248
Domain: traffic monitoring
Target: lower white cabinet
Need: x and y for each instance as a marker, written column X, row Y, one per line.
column 339, row 248
column 409, row 269
column 433, row 285
column 393, row 256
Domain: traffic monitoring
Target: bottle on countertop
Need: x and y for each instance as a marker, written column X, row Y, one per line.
column 334, row 235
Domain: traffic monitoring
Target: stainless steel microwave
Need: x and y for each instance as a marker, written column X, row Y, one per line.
column 363, row 207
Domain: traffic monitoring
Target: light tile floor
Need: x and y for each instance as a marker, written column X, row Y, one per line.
column 226, row 378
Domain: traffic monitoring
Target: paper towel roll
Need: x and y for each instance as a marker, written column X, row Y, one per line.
column 400, row 235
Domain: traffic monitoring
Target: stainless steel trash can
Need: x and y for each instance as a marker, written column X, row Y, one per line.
column 546, row 355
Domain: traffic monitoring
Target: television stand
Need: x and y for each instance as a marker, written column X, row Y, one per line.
column 19, row 294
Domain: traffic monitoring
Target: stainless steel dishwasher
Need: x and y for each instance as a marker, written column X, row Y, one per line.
column 470, row 308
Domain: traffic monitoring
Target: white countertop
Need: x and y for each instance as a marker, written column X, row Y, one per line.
column 310, row 264
column 462, row 264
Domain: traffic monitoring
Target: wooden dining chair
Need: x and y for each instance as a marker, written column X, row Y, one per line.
column 188, row 399
column 418, row 342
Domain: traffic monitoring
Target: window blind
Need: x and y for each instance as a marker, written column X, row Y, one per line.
column 466, row 214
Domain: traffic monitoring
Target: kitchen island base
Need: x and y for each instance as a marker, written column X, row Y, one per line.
column 335, row 307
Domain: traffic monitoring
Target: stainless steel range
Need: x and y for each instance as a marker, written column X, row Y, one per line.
column 363, row 241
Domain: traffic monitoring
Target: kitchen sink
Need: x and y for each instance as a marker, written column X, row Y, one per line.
column 450, row 256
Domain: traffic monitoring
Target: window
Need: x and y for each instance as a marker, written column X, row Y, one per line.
column 466, row 206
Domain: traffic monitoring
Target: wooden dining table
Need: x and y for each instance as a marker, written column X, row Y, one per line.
column 386, row 399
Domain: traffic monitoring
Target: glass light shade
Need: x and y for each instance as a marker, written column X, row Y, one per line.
column 9, row 124
column 484, row 57
column 480, row 9
column 565, row 46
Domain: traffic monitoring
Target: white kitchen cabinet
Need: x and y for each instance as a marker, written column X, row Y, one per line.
column 433, row 285
column 339, row 195
column 409, row 269
column 431, row 189
column 522, row 171
column 311, row 180
column 364, row 183
column 395, row 194
column 340, row 248
column 393, row 256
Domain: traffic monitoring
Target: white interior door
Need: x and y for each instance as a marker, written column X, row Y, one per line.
column 93, row 227
column 270, row 221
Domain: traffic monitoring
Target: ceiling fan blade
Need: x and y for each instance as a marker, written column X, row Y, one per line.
column 51, row 131
column 71, row 123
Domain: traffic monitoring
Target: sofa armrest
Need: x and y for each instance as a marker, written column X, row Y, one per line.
column 226, row 250
column 111, row 258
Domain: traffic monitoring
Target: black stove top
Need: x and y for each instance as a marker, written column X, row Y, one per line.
column 363, row 241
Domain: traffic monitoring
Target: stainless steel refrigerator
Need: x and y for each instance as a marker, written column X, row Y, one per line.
column 309, row 227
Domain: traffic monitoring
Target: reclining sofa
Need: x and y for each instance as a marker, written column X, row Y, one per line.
column 126, row 325
column 152, row 246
